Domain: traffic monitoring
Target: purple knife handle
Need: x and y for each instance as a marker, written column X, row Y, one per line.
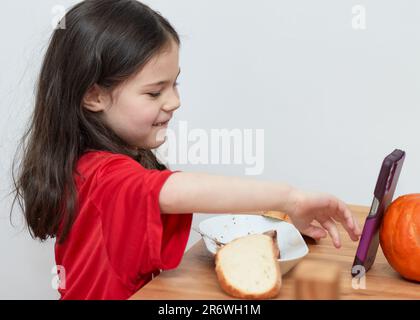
column 368, row 246
column 384, row 193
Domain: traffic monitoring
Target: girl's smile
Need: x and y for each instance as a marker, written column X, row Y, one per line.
column 162, row 124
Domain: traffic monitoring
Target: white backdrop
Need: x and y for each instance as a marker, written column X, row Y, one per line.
column 332, row 99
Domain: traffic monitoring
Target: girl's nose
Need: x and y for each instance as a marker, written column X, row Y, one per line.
column 173, row 103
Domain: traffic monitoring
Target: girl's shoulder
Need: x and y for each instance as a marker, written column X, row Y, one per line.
column 101, row 155
column 99, row 162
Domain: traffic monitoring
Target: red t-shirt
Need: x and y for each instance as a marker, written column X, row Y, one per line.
column 120, row 239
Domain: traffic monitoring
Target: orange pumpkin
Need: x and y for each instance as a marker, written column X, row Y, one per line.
column 400, row 236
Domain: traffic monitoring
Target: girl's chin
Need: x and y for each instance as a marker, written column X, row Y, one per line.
column 160, row 136
column 160, row 142
column 150, row 144
column 156, row 143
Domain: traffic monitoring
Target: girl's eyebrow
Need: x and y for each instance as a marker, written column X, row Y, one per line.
column 161, row 82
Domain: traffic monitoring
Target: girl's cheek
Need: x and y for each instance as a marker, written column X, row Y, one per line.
column 148, row 110
column 139, row 109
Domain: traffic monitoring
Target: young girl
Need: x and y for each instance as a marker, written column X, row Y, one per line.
column 106, row 90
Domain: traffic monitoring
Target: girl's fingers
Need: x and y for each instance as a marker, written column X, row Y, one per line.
column 358, row 228
column 330, row 225
column 346, row 218
column 315, row 232
column 349, row 218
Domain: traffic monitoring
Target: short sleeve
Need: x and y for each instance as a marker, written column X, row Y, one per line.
column 138, row 238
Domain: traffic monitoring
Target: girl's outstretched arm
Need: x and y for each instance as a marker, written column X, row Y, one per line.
column 314, row 214
column 205, row 193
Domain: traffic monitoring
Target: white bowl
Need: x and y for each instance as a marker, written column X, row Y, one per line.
column 225, row 228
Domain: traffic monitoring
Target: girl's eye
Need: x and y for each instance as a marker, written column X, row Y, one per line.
column 154, row 94
column 157, row 94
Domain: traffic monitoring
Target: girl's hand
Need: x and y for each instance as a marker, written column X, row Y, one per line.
column 325, row 209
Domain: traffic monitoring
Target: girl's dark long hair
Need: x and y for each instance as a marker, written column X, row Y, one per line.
column 103, row 42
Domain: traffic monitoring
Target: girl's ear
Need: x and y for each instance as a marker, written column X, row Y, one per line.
column 96, row 99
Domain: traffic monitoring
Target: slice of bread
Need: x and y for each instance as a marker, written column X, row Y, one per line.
column 247, row 267
column 277, row 215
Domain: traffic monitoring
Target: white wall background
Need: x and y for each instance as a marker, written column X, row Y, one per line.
column 333, row 100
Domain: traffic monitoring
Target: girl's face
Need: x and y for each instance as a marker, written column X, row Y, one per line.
column 141, row 107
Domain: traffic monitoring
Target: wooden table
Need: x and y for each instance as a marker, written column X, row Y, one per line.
column 195, row 278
